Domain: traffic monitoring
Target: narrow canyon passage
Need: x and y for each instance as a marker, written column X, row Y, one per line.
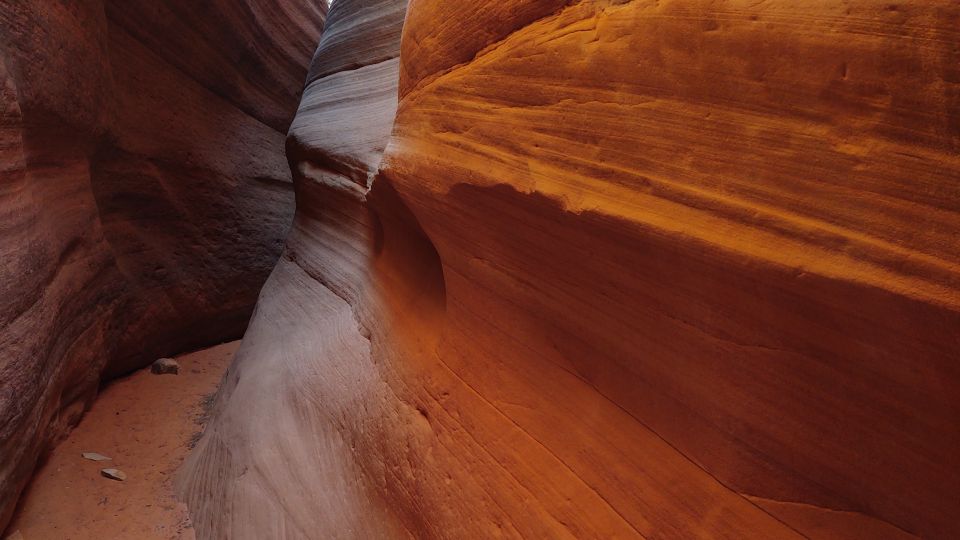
column 657, row 269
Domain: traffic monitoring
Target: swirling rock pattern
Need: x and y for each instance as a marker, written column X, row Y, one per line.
column 732, row 228
column 144, row 194
column 659, row 269
column 558, row 268
column 284, row 458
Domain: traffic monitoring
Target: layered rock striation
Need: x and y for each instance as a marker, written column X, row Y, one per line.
column 558, row 268
column 144, row 195
column 705, row 256
column 285, row 457
column 608, row 269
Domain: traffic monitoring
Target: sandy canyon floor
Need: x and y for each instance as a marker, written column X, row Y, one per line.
column 145, row 423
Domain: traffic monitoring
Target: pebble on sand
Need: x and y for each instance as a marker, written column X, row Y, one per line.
column 164, row 366
column 114, row 474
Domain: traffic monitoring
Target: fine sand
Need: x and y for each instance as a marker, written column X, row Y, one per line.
column 145, row 423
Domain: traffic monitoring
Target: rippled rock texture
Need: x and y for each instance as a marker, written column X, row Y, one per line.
column 285, row 457
column 608, row 269
column 558, row 268
column 144, row 194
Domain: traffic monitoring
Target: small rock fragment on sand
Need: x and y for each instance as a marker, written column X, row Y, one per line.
column 164, row 366
column 93, row 456
column 114, row 474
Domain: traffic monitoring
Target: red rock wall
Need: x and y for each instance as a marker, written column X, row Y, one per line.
column 625, row 269
column 144, row 195
column 729, row 230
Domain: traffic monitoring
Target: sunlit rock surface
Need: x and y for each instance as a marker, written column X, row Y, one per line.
column 704, row 256
column 144, row 195
column 558, row 268
column 628, row 269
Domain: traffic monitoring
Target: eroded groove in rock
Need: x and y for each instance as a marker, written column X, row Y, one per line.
column 144, row 194
column 315, row 391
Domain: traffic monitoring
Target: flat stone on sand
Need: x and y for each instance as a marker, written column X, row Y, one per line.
column 164, row 366
column 114, row 474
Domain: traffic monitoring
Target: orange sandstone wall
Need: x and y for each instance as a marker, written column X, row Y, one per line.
column 660, row 269
column 730, row 228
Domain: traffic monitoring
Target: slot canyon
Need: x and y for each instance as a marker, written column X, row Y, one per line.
column 480, row 269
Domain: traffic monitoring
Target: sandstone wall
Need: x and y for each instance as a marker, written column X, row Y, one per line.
column 660, row 269
column 702, row 254
column 144, row 195
column 282, row 459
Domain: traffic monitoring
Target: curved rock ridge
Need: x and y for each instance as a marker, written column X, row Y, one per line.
column 283, row 458
column 655, row 269
column 144, row 195
column 366, row 33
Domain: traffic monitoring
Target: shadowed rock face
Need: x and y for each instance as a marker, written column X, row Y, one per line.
column 558, row 269
column 144, row 194
column 608, row 269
